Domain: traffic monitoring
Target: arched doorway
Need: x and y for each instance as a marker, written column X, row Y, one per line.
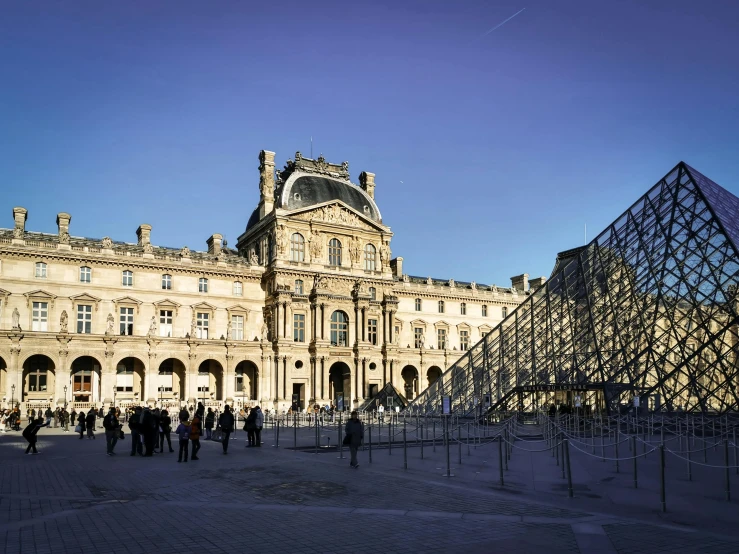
column 340, row 385
column 410, row 382
column 129, row 382
column 85, row 379
column 210, row 381
column 245, row 390
column 433, row 374
column 171, row 378
column 38, row 381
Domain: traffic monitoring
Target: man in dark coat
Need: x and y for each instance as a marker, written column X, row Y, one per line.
column 29, row 433
column 355, row 434
column 226, row 423
column 148, row 427
column 134, row 424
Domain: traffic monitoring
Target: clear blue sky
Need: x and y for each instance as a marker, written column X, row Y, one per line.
column 506, row 144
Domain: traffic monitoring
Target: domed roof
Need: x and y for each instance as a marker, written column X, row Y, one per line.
column 305, row 190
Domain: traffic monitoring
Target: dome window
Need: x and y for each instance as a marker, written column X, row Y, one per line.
column 296, row 196
column 366, row 210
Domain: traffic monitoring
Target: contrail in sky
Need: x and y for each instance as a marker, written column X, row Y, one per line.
column 499, row 25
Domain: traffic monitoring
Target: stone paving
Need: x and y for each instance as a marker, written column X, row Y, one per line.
column 73, row 498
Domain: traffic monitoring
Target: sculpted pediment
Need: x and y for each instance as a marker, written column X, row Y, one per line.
column 128, row 301
column 337, row 213
column 203, row 306
column 238, row 309
column 167, row 304
column 419, row 322
column 39, row 295
column 85, row 298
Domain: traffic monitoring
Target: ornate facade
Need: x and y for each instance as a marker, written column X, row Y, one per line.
column 309, row 307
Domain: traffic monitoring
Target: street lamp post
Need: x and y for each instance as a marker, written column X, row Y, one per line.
column 65, row 397
column 12, row 396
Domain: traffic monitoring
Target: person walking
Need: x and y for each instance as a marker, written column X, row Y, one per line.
column 48, row 414
column 81, row 425
column 90, row 421
column 259, row 424
column 29, row 433
column 210, row 420
column 112, row 431
column 165, row 426
column 147, row 427
column 100, row 415
column 226, row 423
column 183, row 432
column 250, row 426
column 56, row 418
column 355, row 434
column 195, row 430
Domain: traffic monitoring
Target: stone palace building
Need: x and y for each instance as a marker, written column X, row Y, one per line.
column 309, row 307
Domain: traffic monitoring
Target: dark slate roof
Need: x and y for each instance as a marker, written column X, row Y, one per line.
column 309, row 190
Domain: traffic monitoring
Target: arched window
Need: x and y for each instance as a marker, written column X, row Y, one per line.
column 40, row 270
column 505, row 312
column 85, row 274
column 334, row 252
column 370, row 257
column 339, row 329
column 297, row 248
column 418, row 304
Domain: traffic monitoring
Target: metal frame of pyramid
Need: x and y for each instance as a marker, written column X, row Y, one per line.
column 645, row 315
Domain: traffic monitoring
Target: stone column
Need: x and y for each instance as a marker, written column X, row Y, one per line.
column 108, row 378
column 265, row 375
column 191, row 379
column 149, row 389
column 228, row 381
column 324, row 379
column 288, row 320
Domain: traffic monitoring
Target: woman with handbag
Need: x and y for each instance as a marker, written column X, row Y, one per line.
column 81, row 425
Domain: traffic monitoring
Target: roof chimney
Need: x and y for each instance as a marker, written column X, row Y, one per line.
column 19, row 216
column 62, row 222
column 266, row 182
column 144, row 234
column 367, row 183
column 214, row 244
column 537, row 282
column 520, row 282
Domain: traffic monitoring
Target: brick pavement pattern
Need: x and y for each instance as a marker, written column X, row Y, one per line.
column 72, row 497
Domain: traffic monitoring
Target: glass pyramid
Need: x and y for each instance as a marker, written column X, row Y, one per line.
column 644, row 315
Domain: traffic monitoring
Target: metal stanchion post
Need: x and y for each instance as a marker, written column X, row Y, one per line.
column 562, row 454
column 736, row 453
column 446, row 441
column 340, row 442
column 405, row 448
column 616, row 445
column 468, row 439
column 277, row 435
column 556, row 449
column 500, row 458
column 569, row 469
column 433, row 436
column 390, row 436
column 460, row 451
column 690, row 466
column 295, row 431
column 633, row 448
column 662, row 476
column 726, row 460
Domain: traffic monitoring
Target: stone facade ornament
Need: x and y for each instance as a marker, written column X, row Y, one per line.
column 152, row 327
column 253, row 258
column 63, row 322
column 107, row 243
column 355, row 250
column 64, row 238
column 265, row 332
column 406, row 279
column 452, row 284
column 429, row 281
column 316, row 246
column 18, row 233
column 148, row 248
column 385, row 254
column 494, row 289
column 16, row 319
column 228, row 330
column 473, row 285
column 267, row 175
column 193, row 327
column 320, row 282
column 281, row 239
column 110, row 324
column 185, row 252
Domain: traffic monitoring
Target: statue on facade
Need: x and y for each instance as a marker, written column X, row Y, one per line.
column 107, row 243
column 63, row 322
column 18, row 233
column 228, row 330
column 384, row 254
column 185, row 252
column 429, row 281
column 110, row 324
column 281, row 239
column 452, row 284
column 355, row 249
column 320, row 282
column 63, row 237
column 473, row 285
column 316, row 248
column 16, row 319
column 406, row 279
column 193, row 327
column 494, row 289
column 152, row 327
column 148, row 248
column 253, row 258
column 265, row 332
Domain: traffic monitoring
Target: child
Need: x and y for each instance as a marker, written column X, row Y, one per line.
column 183, row 432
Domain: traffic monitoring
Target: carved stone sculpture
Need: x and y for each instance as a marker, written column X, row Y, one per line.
column 320, row 282
column 265, row 332
column 16, row 319
column 316, row 246
column 452, row 284
column 193, row 328
column 281, row 239
column 253, row 258
column 148, row 248
column 384, row 253
column 63, row 322
column 110, row 324
column 429, row 281
column 494, row 289
column 107, row 243
column 473, row 285
column 355, row 250
column 64, row 238
column 18, row 233
column 406, row 279
column 228, row 330
column 185, row 252
column 152, row 327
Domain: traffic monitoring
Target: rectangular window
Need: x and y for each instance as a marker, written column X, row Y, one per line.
column 41, row 270
column 373, row 293
column 127, row 279
column 418, row 337
column 464, row 340
column 238, row 288
column 165, row 323
column 372, row 331
column 298, row 327
column 202, row 284
column 463, row 309
column 237, row 327
column 84, row 319
column 298, row 286
column 166, row 282
column 40, row 316
column 484, row 311
column 418, row 304
column 441, row 306
column 85, row 274
column 126, row 321
column 202, row 321
column 441, row 339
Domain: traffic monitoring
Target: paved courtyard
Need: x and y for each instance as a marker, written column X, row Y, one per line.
column 74, row 498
